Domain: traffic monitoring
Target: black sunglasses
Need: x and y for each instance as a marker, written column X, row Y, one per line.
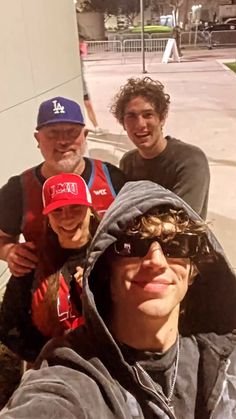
column 183, row 245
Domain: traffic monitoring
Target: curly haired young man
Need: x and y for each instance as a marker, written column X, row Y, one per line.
column 141, row 107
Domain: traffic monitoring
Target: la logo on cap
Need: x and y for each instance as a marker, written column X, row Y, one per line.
column 66, row 187
column 58, row 108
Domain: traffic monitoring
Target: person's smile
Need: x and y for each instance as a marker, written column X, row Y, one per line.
column 70, row 229
column 142, row 135
column 157, row 285
column 65, row 149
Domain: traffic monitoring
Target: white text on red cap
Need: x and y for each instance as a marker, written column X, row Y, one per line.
column 65, row 187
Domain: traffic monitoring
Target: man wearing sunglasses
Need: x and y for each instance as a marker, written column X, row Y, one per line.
column 159, row 305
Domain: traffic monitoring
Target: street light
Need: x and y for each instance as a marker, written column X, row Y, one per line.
column 196, row 9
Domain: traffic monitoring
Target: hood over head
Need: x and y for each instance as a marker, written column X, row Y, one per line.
column 210, row 303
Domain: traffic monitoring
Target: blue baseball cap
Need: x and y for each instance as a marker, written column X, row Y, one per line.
column 58, row 110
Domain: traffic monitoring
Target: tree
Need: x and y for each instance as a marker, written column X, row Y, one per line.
column 129, row 8
column 185, row 12
column 99, row 6
column 175, row 4
column 156, row 7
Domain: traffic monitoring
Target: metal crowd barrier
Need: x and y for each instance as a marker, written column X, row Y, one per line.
column 124, row 36
column 150, row 45
column 221, row 38
column 115, row 49
column 163, row 35
column 208, row 39
column 104, row 47
column 198, row 38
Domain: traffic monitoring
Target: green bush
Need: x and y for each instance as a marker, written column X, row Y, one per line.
column 152, row 29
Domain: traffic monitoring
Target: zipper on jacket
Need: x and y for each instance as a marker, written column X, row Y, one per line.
column 222, row 390
column 154, row 392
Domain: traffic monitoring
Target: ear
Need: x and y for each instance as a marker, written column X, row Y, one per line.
column 36, row 136
column 163, row 121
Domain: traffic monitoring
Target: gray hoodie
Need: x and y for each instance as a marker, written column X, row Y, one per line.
column 85, row 375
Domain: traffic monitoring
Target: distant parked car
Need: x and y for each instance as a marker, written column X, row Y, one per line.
column 220, row 27
column 231, row 20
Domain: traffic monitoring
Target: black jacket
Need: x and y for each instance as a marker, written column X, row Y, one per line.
column 84, row 375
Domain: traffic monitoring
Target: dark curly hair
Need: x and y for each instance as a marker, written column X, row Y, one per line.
column 151, row 90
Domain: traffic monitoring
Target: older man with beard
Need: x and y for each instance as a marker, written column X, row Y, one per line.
column 61, row 137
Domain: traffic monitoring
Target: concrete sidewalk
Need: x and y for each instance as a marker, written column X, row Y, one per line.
column 202, row 112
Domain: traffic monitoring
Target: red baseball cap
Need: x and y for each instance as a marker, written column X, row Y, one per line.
column 65, row 189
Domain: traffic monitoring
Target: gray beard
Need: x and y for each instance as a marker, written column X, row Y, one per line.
column 67, row 165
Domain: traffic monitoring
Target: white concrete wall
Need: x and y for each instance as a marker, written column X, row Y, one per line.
column 39, row 58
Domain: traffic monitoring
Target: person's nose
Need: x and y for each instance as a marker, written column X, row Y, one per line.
column 141, row 121
column 155, row 258
column 63, row 138
column 65, row 213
